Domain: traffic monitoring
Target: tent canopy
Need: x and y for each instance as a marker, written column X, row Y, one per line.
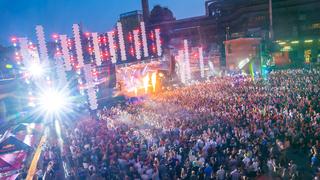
column 5, row 166
column 12, row 144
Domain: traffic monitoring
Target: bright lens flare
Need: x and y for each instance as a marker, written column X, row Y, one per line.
column 53, row 101
column 146, row 83
column 36, row 70
column 154, row 81
column 136, row 91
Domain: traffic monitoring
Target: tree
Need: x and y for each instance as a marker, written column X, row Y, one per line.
column 161, row 14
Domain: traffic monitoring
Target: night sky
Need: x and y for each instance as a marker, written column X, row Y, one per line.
column 19, row 17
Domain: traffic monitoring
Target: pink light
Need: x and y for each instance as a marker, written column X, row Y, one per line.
column 31, row 47
column 55, row 36
column 14, row 39
column 104, row 39
column 153, row 48
column 152, row 35
column 94, row 74
column 130, row 37
column 87, row 34
column 106, row 54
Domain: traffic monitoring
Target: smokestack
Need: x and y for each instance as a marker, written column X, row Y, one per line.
column 145, row 10
column 270, row 21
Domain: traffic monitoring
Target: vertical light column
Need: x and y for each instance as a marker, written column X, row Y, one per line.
column 182, row 69
column 93, row 102
column 144, row 40
column 42, row 44
column 187, row 59
column 77, row 40
column 111, row 47
column 59, row 64
column 121, row 42
column 65, row 52
column 146, row 83
column 96, row 49
column 211, row 69
column 137, row 46
column 92, row 97
column 154, row 81
column 158, row 42
column 201, row 62
column 88, row 74
column 60, row 69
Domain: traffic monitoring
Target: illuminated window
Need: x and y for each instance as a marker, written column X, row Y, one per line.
column 307, row 56
column 315, row 26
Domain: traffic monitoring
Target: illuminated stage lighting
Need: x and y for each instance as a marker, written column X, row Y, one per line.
column 53, row 103
column 187, row 59
column 144, row 39
column 146, row 83
column 154, row 81
column 78, row 45
column 36, row 70
column 243, row 62
column 201, row 61
column 158, row 42
column 112, row 47
column 43, row 50
column 121, row 42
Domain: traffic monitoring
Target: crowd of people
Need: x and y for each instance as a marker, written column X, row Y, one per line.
column 226, row 128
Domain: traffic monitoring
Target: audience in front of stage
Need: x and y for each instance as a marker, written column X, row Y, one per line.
column 228, row 128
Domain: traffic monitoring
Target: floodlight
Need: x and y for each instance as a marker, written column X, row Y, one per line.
column 243, row 62
column 36, row 70
column 53, row 101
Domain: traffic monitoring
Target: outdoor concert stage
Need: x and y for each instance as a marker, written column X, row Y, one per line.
column 140, row 78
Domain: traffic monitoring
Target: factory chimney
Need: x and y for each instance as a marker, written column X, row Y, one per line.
column 145, row 10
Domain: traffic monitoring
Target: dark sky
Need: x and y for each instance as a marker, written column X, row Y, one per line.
column 19, row 17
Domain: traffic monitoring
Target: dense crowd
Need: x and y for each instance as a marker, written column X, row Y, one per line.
column 228, row 128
